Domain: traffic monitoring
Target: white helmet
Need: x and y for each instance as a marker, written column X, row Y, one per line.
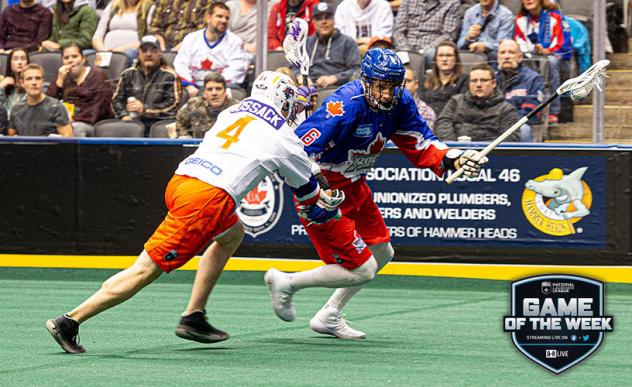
column 279, row 89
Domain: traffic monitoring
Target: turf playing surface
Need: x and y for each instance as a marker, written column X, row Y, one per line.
column 421, row 331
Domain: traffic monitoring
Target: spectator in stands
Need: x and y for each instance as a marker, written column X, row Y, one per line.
column 212, row 49
column 121, row 26
column 445, row 79
column 521, row 86
column 71, row 24
column 243, row 22
column 149, row 91
column 422, row 24
column 172, row 20
column 380, row 41
column 484, row 26
column 10, row 89
column 333, row 57
column 282, row 14
column 38, row 114
column 362, row 19
column 86, row 91
column 50, row 4
column 425, row 111
column 26, row 25
column 480, row 113
column 539, row 29
column 199, row 113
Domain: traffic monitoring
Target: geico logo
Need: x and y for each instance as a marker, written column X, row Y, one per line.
column 204, row 164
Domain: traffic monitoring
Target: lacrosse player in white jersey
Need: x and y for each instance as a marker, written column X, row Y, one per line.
column 248, row 142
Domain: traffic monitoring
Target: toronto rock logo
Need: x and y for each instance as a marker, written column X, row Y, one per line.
column 552, row 203
column 261, row 208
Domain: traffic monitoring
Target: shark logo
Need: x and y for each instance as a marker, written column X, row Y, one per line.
column 552, row 203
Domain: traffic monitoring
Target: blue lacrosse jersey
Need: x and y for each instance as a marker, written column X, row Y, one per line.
column 345, row 137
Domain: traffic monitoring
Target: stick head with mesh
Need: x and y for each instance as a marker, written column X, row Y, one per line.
column 580, row 87
column 294, row 45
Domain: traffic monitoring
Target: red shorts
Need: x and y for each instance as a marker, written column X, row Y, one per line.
column 345, row 241
column 198, row 212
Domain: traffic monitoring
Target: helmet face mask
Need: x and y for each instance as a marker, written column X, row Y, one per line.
column 381, row 94
column 383, row 78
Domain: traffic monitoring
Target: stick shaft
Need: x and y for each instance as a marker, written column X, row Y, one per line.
column 505, row 134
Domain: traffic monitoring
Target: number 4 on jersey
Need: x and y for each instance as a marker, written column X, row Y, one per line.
column 231, row 133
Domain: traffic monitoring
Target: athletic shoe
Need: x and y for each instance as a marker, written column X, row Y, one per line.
column 329, row 321
column 280, row 294
column 196, row 327
column 66, row 332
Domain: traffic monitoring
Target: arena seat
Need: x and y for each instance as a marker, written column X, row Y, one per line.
column 3, row 63
column 118, row 128
column 159, row 129
column 417, row 64
column 169, row 57
column 118, row 63
column 471, row 59
column 50, row 61
column 238, row 93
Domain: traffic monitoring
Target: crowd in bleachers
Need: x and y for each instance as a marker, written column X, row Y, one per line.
column 168, row 67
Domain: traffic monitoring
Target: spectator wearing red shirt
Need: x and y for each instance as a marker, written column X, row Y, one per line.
column 282, row 14
column 539, row 29
column 26, row 24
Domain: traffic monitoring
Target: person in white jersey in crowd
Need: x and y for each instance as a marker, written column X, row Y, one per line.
column 212, row 49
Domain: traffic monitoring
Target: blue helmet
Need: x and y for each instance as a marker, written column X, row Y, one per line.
column 382, row 64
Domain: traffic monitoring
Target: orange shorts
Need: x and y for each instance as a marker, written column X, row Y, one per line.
column 198, row 212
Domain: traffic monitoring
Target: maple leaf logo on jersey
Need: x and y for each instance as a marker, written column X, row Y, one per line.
column 261, row 208
column 335, row 109
column 255, row 196
column 377, row 145
column 361, row 161
column 206, row 64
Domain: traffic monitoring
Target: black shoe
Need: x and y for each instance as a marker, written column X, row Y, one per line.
column 196, row 327
column 66, row 332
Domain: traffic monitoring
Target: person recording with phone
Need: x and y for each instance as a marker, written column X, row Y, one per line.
column 484, row 26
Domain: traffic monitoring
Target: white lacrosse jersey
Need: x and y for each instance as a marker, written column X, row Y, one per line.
column 198, row 57
column 248, row 141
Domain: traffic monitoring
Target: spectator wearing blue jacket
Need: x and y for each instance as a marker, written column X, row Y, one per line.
column 484, row 26
column 521, row 86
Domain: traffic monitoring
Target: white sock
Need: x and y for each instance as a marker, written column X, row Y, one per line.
column 341, row 296
column 383, row 254
column 333, row 276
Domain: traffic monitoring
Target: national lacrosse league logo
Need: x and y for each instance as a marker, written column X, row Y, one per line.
column 261, row 208
column 546, row 287
column 557, row 321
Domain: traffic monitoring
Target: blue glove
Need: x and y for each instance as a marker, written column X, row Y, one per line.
column 319, row 215
column 325, row 209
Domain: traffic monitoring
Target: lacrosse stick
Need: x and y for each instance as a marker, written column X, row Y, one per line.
column 295, row 51
column 578, row 88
